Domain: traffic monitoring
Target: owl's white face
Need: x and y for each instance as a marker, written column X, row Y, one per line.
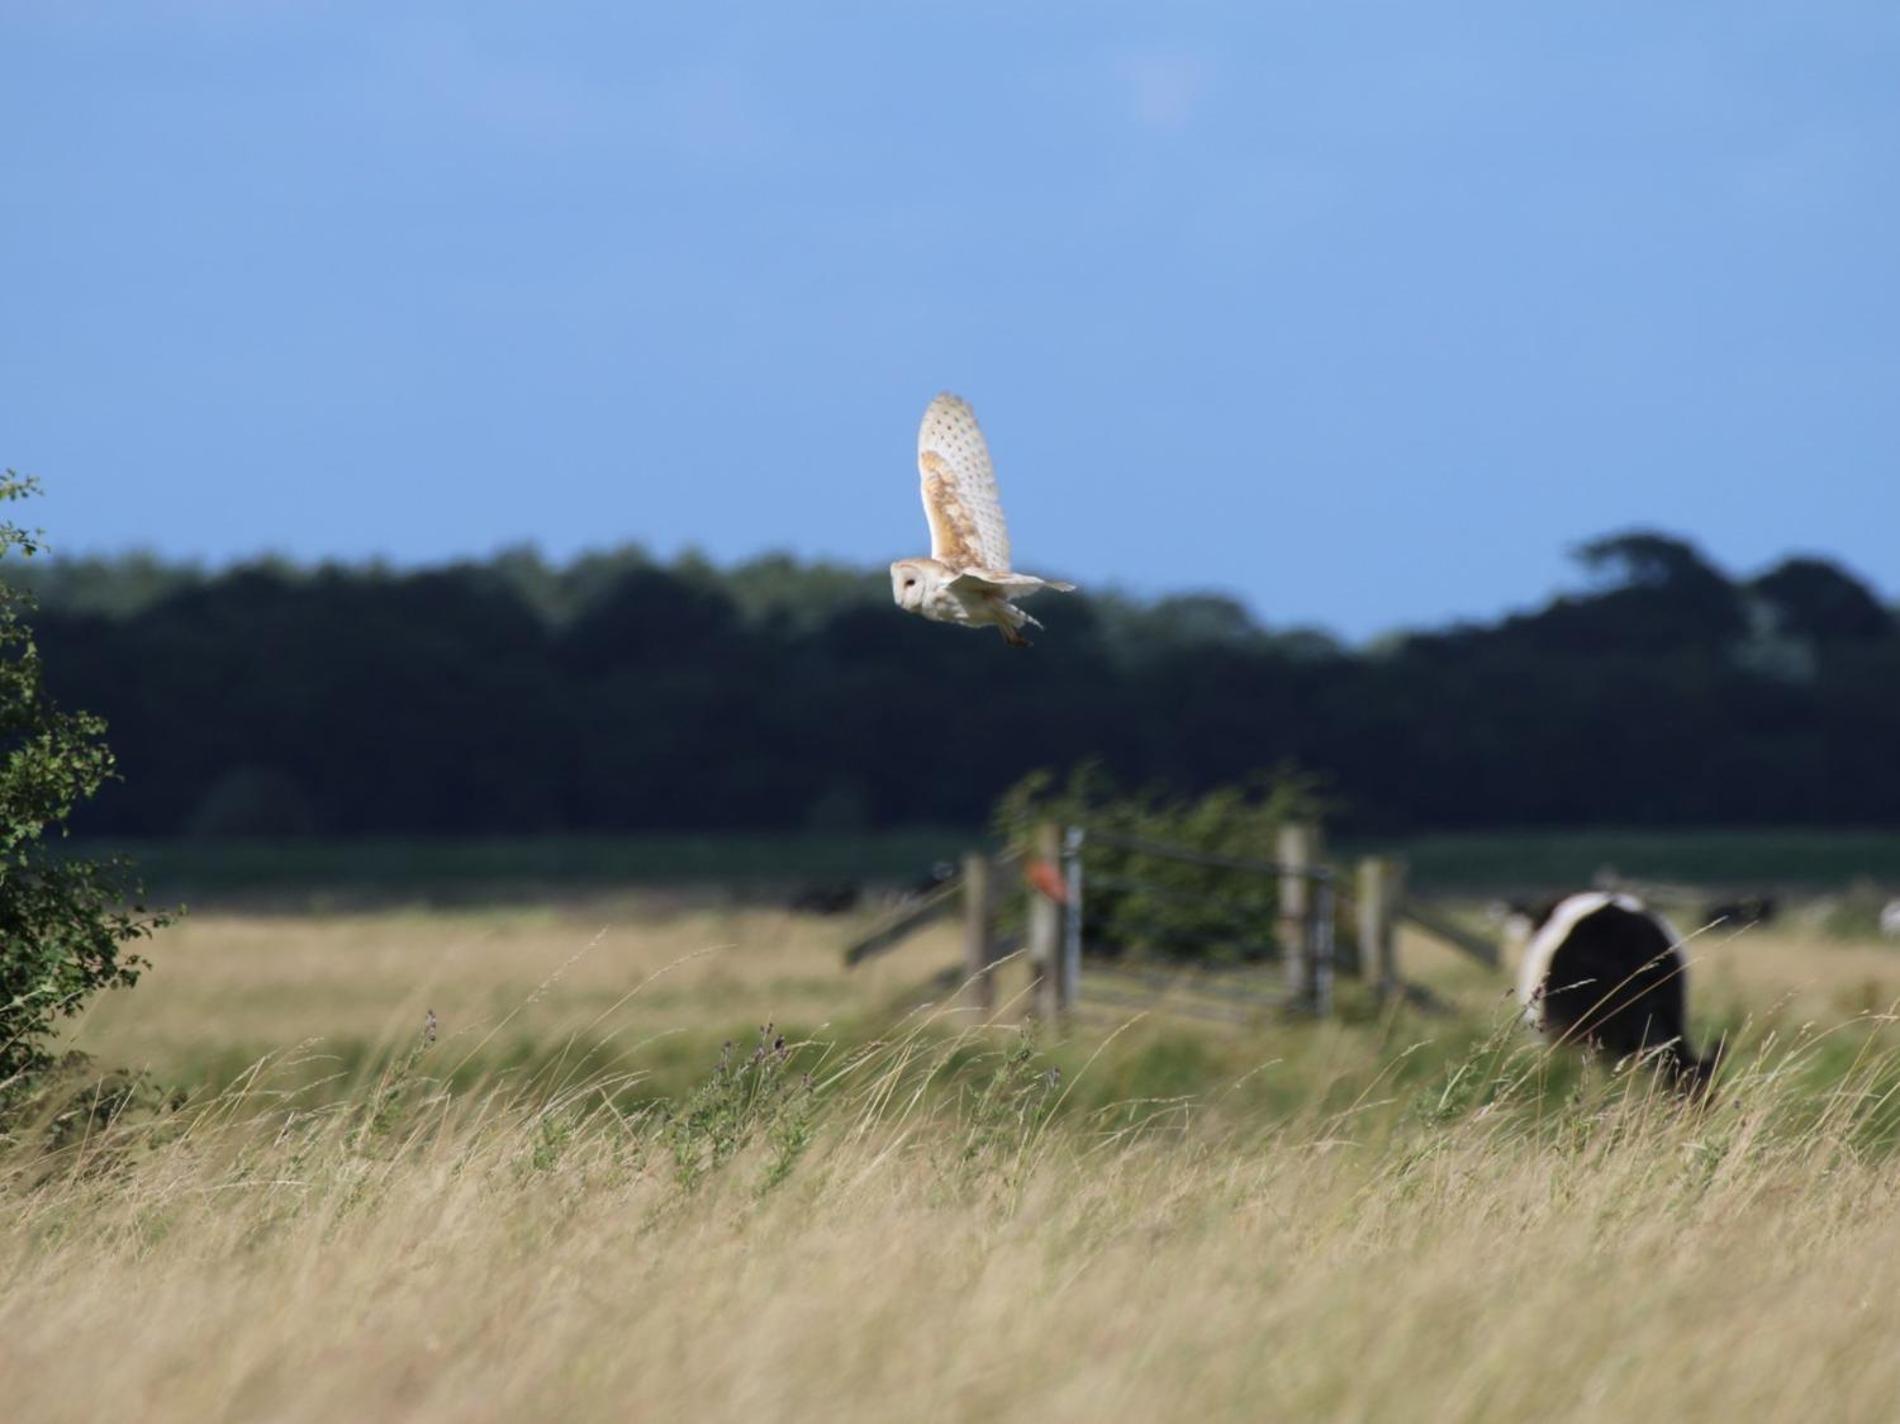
column 912, row 581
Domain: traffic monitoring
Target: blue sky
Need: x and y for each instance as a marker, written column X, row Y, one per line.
column 1365, row 313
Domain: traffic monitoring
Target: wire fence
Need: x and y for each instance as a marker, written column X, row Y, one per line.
column 1271, row 909
column 1149, row 924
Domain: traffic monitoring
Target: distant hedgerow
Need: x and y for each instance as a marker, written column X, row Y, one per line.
column 65, row 922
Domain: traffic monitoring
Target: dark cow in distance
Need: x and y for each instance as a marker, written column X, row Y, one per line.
column 826, row 897
column 1607, row 972
column 1742, row 913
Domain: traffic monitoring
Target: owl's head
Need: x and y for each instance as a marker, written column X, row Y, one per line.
column 914, row 580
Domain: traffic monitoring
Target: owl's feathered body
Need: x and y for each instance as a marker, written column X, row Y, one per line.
column 967, row 578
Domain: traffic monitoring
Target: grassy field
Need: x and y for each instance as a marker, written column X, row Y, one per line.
column 325, row 873
column 306, row 873
column 571, row 1200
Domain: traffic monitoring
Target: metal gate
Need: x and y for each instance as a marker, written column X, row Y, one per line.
column 1304, row 915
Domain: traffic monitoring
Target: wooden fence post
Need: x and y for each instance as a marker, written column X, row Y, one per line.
column 1297, row 851
column 1045, row 922
column 979, row 933
column 1381, row 887
column 1071, row 980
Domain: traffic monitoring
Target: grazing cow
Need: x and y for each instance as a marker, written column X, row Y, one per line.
column 1740, row 913
column 941, row 873
column 1605, row 971
column 832, row 897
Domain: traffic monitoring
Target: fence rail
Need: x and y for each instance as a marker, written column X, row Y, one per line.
column 1457, row 936
column 934, row 905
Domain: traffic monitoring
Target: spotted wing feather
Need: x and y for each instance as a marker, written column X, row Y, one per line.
column 959, row 486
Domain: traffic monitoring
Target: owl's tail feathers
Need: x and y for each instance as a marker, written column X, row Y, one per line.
column 1058, row 585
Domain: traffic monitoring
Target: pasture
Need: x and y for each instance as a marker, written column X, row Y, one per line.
column 307, row 870
column 561, row 1205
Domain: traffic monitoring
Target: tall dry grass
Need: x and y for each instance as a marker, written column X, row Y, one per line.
column 949, row 1222
column 661, row 972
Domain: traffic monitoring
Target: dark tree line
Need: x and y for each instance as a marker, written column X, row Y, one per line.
column 617, row 694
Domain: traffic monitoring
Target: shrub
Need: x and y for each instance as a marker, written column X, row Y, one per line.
column 1146, row 906
column 65, row 921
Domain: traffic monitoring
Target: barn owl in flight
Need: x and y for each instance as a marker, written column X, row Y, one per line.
column 967, row 578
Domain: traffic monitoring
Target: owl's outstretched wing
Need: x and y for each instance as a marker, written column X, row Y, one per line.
column 960, row 497
column 1009, row 585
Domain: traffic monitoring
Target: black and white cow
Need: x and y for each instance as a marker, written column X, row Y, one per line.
column 1605, row 971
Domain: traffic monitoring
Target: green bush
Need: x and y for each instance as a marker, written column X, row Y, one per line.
column 1143, row 906
column 65, row 922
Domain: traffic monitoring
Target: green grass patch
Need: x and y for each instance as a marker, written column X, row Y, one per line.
column 512, row 869
column 508, row 869
column 1475, row 862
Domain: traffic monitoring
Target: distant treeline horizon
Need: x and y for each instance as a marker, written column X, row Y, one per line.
column 617, row 693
